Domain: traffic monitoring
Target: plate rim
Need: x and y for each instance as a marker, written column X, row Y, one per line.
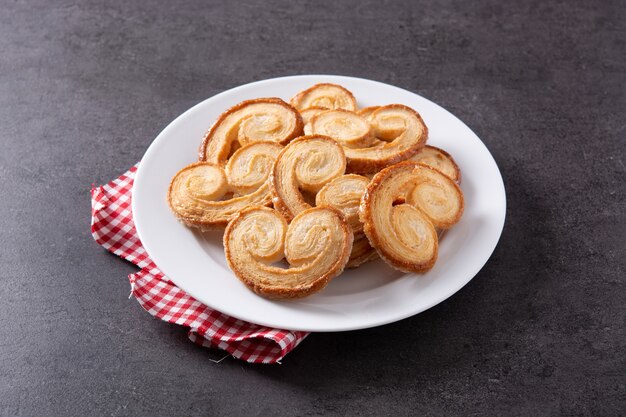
column 370, row 323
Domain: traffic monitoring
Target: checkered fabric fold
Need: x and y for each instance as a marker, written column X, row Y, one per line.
column 112, row 227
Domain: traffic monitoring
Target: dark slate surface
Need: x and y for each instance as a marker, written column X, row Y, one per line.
column 86, row 86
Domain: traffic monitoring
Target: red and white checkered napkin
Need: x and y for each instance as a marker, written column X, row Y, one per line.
column 112, row 227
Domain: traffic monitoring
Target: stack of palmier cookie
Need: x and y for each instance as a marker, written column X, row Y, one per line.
column 308, row 188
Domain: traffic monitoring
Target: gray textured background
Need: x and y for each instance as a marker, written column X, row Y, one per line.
column 85, row 87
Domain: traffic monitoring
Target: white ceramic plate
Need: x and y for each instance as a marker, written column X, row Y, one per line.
column 371, row 295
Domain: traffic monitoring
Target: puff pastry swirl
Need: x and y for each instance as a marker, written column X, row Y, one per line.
column 344, row 194
column 305, row 165
column 401, row 209
column 326, row 95
column 400, row 133
column 346, row 127
column 206, row 195
column 263, row 119
column 316, row 244
column 439, row 159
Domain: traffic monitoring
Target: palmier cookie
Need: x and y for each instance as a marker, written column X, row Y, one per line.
column 206, row 195
column 344, row 194
column 316, row 244
column 305, row 165
column 396, row 133
column 403, row 206
column 326, row 95
column 264, row 119
column 439, row 159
